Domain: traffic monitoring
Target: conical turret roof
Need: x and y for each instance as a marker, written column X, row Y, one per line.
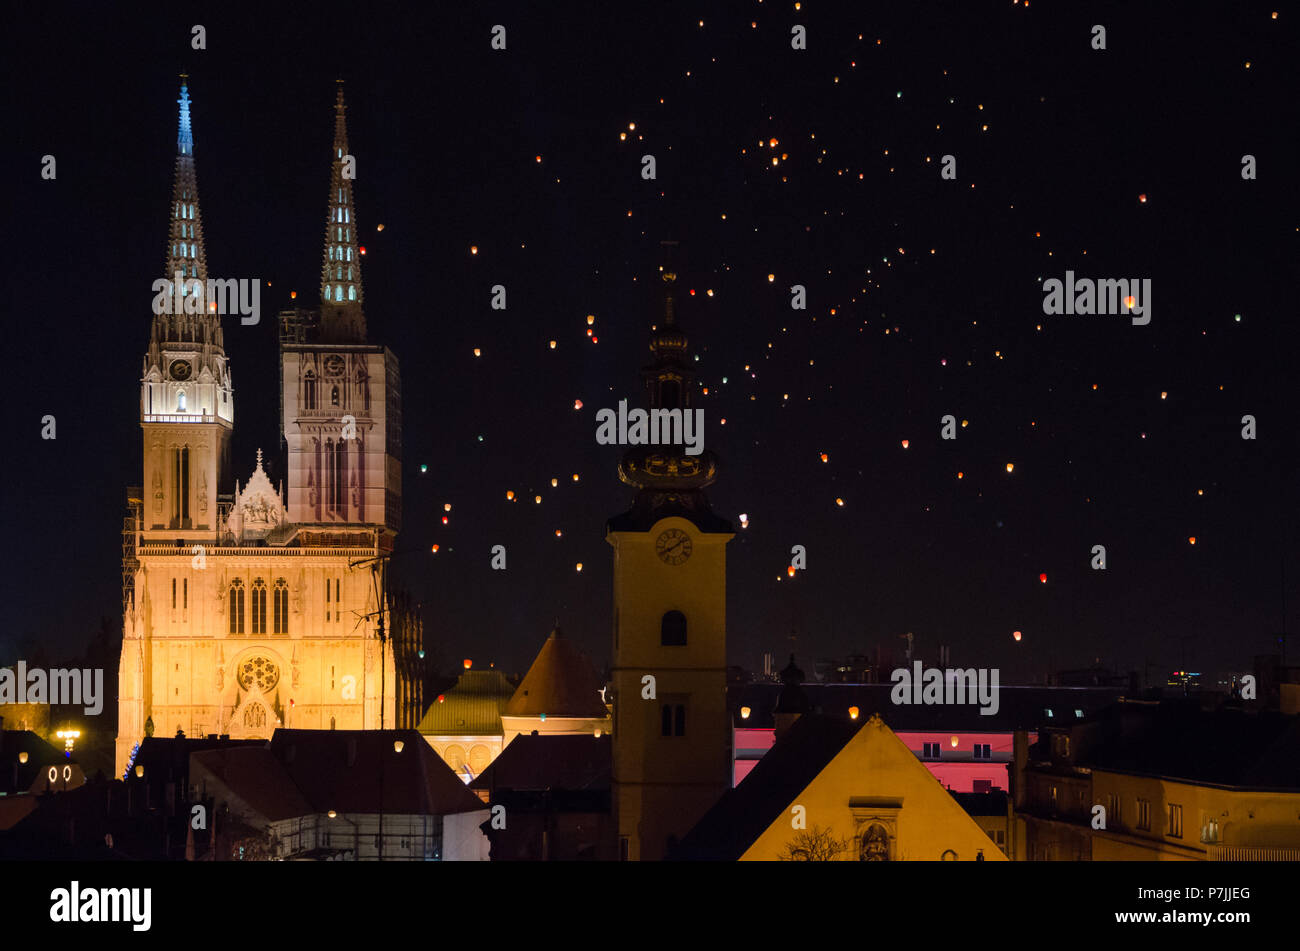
column 561, row 683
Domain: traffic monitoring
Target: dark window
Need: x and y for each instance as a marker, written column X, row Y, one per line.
column 281, row 606
column 666, row 717
column 681, row 720
column 259, row 606
column 672, row 630
column 237, row 607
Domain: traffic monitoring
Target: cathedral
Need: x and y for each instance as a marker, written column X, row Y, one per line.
column 249, row 605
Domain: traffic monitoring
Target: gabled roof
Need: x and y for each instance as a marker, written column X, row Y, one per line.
column 340, row 770
column 256, row 777
column 561, row 683
column 473, row 707
column 557, row 761
column 742, row 814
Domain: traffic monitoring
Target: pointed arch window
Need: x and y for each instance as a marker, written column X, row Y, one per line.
column 237, row 606
column 347, row 214
column 338, row 292
column 340, row 501
column 334, row 396
column 180, row 401
column 181, row 487
column 338, row 272
column 329, row 483
column 259, row 606
column 352, row 292
column 280, row 607
column 349, row 254
column 309, row 390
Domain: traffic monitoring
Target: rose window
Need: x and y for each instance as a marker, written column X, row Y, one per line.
column 259, row 671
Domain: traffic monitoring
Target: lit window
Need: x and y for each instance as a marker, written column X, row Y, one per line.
column 352, row 292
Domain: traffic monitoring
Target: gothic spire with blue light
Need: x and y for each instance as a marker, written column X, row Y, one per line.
column 342, row 318
column 198, row 332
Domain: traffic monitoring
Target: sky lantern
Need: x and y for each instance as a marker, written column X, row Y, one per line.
column 839, row 502
column 446, row 506
column 473, row 249
column 1043, row 578
column 904, row 443
column 1016, row 635
column 790, row 571
column 953, row 742
column 468, row 663
column 853, row 713
column 510, row 495
column 577, row 404
column 825, row 457
column 554, row 483
column 478, row 352
column 444, row 520
column 552, row 344
column 591, row 319
column 1191, row 540
column 578, row 566
column 575, row 477
column 744, row 713
column 435, row 549
column 1010, row 466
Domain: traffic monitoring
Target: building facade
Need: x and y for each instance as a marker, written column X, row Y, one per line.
column 672, row 736
column 247, row 608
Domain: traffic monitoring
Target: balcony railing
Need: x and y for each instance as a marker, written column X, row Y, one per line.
column 1251, row 853
column 182, row 418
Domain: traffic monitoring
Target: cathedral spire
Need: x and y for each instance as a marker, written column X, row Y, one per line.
column 186, row 318
column 185, row 251
column 342, row 319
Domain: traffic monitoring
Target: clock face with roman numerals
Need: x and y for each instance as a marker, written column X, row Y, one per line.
column 673, row 547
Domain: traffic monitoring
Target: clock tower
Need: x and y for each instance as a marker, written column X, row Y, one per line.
column 187, row 407
column 672, row 739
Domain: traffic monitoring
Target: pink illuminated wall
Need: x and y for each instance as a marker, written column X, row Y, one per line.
column 957, row 767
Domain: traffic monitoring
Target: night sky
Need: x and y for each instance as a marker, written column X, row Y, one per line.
column 1054, row 143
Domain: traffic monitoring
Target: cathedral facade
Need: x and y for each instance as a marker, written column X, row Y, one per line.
column 247, row 605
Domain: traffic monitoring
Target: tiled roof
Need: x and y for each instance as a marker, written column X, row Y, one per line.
column 743, row 813
column 561, row 683
column 563, row 761
column 257, row 777
column 473, row 707
column 340, row 770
